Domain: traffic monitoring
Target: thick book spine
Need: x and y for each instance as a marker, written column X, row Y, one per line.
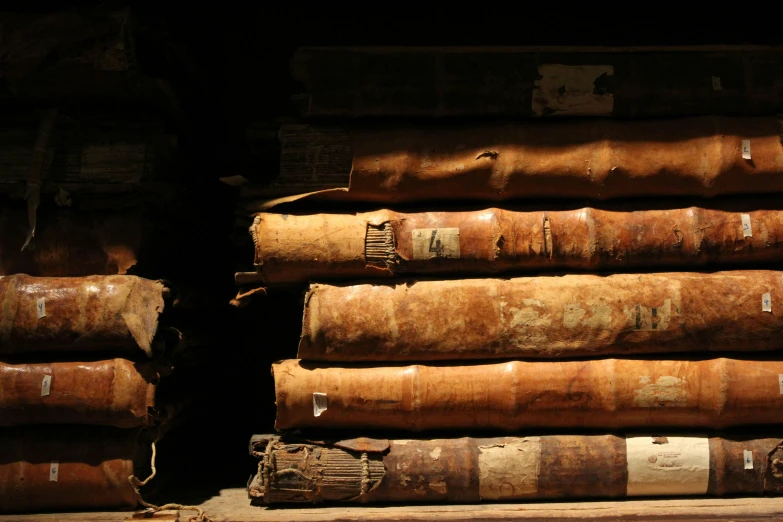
column 299, row 248
column 114, row 392
column 606, row 394
column 539, row 82
column 69, row 467
column 79, row 313
column 513, row 468
column 544, row 317
column 574, row 159
column 69, row 244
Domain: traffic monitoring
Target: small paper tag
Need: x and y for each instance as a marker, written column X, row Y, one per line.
column 46, row 385
column 748, row 456
column 54, row 471
column 429, row 243
column 746, row 149
column 320, row 403
column 747, row 229
column 780, row 382
column 716, row 83
column 40, row 306
column 766, row 302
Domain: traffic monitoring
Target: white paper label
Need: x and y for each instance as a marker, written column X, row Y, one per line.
column 747, row 229
column 716, row 83
column 319, row 404
column 429, row 243
column 40, row 307
column 766, row 302
column 746, row 149
column 46, row 385
column 573, row 90
column 54, row 471
column 668, row 465
column 780, row 383
column 509, row 470
column 748, row 456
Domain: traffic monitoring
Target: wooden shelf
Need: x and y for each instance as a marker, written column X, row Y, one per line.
column 232, row 505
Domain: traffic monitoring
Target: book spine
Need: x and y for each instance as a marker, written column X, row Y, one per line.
column 296, row 249
column 79, row 313
column 543, row 317
column 114, row 392
column 516, row 468
column 606, row 394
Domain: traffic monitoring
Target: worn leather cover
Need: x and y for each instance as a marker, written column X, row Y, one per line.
column 118, row 313
column 546, row 316
column 92, row 467
column 540, row 82
column 115, row 392
column 605, row 394
column 69, row 244
column 297, row 248
column 513, row 468
column 600, row 160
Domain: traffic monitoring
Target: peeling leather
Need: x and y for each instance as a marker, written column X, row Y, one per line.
column 516, row 395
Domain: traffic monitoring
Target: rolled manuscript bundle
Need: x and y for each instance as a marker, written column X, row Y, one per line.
column 601, row 159
column 513, row 468
column 295, row 249
column 72, row 467
column 116, row 392
column 549, row 316
column 606, row 394
column 79, row 313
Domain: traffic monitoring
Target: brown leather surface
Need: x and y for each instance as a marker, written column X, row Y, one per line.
column 605, row 394
column 450, row 470
column 69, row 244
column 94, row 464
column 594, row 159
column 115, row 392
column 546, row 316
column 295, row 249
column 82, row 313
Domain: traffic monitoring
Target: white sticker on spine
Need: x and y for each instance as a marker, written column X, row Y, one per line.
column 780, row 382
column 766, row 302
column 746, row 149
column 716, row 83
column 430, row 243
column 40, row 307
column 319, row 404
column 748, row 456
column 46, row 385
column 54, row 471
column 747, row 229
column 668, row 465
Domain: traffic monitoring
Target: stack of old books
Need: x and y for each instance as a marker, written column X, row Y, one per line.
column 87, row 161
column 628, row 381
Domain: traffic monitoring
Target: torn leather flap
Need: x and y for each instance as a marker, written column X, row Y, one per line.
column 114, row 392
column 57, row 468
column 601, row 393
column 542, row 317
column 108, row 313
